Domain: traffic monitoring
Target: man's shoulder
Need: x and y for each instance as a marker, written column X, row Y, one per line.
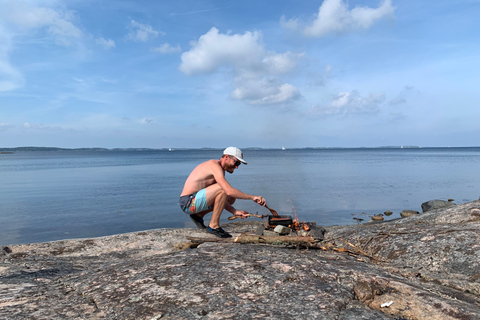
column 209, row 164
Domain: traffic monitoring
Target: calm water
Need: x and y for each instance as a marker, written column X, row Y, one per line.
column 54, row 195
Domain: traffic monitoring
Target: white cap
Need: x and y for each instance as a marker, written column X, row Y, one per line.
column 237, row 153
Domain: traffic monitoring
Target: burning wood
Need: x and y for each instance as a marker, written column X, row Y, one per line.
column 294, row 224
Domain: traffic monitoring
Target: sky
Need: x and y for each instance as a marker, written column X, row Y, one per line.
column 250, row 73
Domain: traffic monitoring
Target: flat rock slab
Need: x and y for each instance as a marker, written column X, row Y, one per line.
column 156, row 275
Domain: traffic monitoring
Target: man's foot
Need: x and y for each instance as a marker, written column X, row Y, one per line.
column 198, row 221
column 219, row 232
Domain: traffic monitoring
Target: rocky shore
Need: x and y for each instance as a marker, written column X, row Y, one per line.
column 425, row 266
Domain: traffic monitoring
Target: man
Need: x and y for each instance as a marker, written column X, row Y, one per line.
column 207, row 190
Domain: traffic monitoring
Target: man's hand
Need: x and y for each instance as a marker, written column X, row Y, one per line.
column 241, row 214
column 259, row 199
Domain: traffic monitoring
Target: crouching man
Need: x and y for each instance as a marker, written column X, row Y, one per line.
column 206, row 190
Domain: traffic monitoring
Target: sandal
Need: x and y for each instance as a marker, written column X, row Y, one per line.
column 219, row 232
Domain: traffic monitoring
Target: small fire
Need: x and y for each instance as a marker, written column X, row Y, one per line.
column 296, row 224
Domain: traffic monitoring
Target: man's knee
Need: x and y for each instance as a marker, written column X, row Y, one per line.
column 231, row 200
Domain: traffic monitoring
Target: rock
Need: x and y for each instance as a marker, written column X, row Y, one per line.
column 270, row 233
column 259, row 230
column 408, row 213
column 475, row 212
column 378, row 217
column 303, row 233
column 436, row 204
column 6, row 250
column 282, row 230
column 388, row 213
column 317, row 232
column 426, row 264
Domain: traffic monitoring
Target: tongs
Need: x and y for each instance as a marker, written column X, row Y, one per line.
column 274, row 213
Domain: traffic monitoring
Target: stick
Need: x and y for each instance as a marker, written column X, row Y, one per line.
column 202, row 240
column 249, row 215
column 359, row 249
column 247, row 238
column 308, row 242
column 279, row 240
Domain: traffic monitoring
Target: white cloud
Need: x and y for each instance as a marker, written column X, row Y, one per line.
column 141, row 32
column 262, row 91
column 347, row 103
column 256, row 71
column 334, row 16
column 19, row 18
column 214, row 50
column 22, row 19
column 106, row 44
column 166, row 48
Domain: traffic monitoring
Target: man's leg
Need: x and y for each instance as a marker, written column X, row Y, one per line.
column 218, row 198
column 202, row 214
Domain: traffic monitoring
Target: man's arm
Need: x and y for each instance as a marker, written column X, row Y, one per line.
column 219, row 176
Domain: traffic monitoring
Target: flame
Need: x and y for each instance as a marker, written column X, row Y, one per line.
column 296, row 224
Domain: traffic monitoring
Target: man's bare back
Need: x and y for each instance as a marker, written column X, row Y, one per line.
column 201, row 177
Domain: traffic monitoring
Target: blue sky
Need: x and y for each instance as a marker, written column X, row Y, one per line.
column 258, row 73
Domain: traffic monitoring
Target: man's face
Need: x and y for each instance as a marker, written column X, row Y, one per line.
column 232, row 164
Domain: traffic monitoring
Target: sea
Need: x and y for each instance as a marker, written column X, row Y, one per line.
column 63, row 194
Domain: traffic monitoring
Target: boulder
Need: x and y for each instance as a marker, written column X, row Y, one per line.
column 317, row 233
column 408, row 213
column 436, row 204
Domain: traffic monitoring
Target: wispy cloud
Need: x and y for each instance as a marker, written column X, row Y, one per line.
column 141, row 32
column 334, row 16
column 6, row 126
column 146, row 120
column 166, row 48
column 22, row 19
column 11, row 78
column 348, row 103
column 401, row 97
column 106, row 44
column 257, row 72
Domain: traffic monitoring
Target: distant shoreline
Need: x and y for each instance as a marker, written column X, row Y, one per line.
column 15, row 149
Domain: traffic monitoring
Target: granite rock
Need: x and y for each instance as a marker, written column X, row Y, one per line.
column 436, row 204
column 427, row 265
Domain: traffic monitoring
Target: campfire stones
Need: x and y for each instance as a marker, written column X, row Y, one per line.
column 282, row 230
column 269, row 233
column 316, row 232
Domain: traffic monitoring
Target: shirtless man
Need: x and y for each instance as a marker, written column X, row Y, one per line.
column 206, row 190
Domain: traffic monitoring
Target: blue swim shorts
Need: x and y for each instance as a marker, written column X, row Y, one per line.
column 194, row 203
